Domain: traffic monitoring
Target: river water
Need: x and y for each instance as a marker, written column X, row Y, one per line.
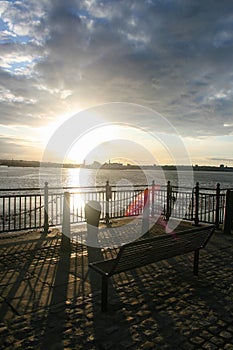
column 22, row 177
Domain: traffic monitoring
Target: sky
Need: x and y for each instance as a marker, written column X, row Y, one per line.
column 151, row 75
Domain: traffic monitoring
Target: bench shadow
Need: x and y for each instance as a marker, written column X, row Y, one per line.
column 98, row 253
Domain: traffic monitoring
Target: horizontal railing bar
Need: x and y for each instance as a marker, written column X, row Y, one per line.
column 21, row 189
column 21, row 195
column 103, row 187
column 63, row 188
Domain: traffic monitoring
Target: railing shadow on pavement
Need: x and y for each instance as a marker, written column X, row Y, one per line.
column 21, row 282
column 58, row 297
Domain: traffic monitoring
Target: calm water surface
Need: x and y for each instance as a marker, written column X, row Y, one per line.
column 16, row 177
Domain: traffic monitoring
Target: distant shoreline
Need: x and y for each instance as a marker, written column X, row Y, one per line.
column 113, row 166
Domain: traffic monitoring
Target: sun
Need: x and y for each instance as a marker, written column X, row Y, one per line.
column 91, row 140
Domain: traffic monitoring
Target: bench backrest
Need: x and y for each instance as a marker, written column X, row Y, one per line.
column 146, row 251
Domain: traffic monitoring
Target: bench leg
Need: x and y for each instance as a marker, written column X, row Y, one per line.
column 196, row 262
column 104, row 300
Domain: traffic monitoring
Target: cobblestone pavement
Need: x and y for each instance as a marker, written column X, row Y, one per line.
column 50, row 301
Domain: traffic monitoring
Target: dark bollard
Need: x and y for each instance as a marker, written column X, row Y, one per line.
column 92, row 214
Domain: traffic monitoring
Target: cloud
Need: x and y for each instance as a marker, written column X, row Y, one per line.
column 172, row 56
column 18, row 148
column 8, row 97
column 222, row 159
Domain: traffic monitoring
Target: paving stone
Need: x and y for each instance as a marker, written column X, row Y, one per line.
column 226, row 335
column 206, row 335
column 197, row 340
column 209, row 346
column 10, row 339
column 217, row 341
column 143, row 313
column 230, row 328
column 148, row 345
column 221, row 323
column 3, row 330
column 22, row 333
column 214, row 330
column 136, row 337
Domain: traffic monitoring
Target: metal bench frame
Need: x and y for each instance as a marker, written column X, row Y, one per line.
column 147, row 251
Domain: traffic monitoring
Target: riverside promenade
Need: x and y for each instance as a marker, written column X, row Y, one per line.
column 49, row 299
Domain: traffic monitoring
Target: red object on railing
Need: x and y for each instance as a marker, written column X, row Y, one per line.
column 137, row 204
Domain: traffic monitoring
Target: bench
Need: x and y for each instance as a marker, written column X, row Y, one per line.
column 147, row 251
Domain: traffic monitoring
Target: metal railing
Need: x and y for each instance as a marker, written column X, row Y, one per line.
column 31, row 208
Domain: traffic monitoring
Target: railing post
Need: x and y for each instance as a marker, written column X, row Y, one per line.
column 168, row 209
column 65, row 242
column 153, row 199
column 146, row 209
column 108, row 197
column 228, row 220
column 46, row 208
column 217, row 205
column 196, row 218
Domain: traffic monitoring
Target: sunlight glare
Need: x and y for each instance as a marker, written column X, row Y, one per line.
column 94, row 138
